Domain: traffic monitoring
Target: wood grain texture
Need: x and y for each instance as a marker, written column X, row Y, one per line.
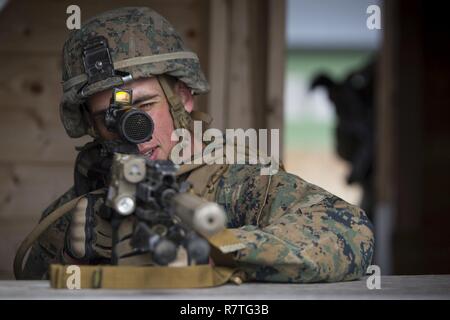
column 247, row 63
column 26, row 190
column 31, row 83
column 40, row 26
column 27, row 138
column 12, row 236
column 218, row 61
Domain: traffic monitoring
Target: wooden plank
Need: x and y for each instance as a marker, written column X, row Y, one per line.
column 385, row 184
column 408, row 137
column 246, row 58
column 33, row 26
column 422, row 287
column 239, row 106
column 385, row 150
column 26, row 190
column 40, row 26
column 218, row 62
column 257, row 46
column 31, row 83
column 275, row 67
column 28, row 138
column 197, row 39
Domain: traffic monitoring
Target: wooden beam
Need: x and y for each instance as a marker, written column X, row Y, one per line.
column 239, row 108
column 218, row 62
column 276, row 51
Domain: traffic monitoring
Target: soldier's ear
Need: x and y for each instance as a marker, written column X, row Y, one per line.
column 89, row 120
column 185, row 95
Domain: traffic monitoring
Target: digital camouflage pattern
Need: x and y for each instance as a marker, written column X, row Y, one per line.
column 293, row 231
column 131, row 32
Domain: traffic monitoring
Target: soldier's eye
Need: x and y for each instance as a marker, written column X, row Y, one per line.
column 147, row 106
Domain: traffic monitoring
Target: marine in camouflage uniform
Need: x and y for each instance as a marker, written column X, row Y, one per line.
column 293, row 231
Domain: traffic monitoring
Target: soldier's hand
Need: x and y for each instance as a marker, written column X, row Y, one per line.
column 89, row 237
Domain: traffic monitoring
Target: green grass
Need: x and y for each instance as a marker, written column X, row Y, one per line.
column 336, row 63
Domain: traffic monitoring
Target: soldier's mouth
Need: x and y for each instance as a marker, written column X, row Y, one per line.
column 151, row 153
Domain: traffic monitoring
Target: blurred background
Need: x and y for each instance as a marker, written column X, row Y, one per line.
column 330, row 39
column 362, row 112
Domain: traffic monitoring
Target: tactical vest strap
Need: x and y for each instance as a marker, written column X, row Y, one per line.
column 181, row 118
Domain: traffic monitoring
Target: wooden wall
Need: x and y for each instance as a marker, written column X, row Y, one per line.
column 240, row 44
column 247, row 49
column 414, row 140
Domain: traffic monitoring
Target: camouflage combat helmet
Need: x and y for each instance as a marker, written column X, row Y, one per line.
column 141, row 44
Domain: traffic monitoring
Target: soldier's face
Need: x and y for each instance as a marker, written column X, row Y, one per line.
column 149, row 97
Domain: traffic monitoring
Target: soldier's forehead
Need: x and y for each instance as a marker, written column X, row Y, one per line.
column 144, row 84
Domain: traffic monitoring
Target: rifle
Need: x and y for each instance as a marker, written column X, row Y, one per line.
column 167, row 216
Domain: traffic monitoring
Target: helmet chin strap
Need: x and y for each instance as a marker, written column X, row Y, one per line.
column 181, row 117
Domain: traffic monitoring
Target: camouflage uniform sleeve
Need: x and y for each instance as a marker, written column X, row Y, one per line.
column 294, row 231
column 48, row 248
